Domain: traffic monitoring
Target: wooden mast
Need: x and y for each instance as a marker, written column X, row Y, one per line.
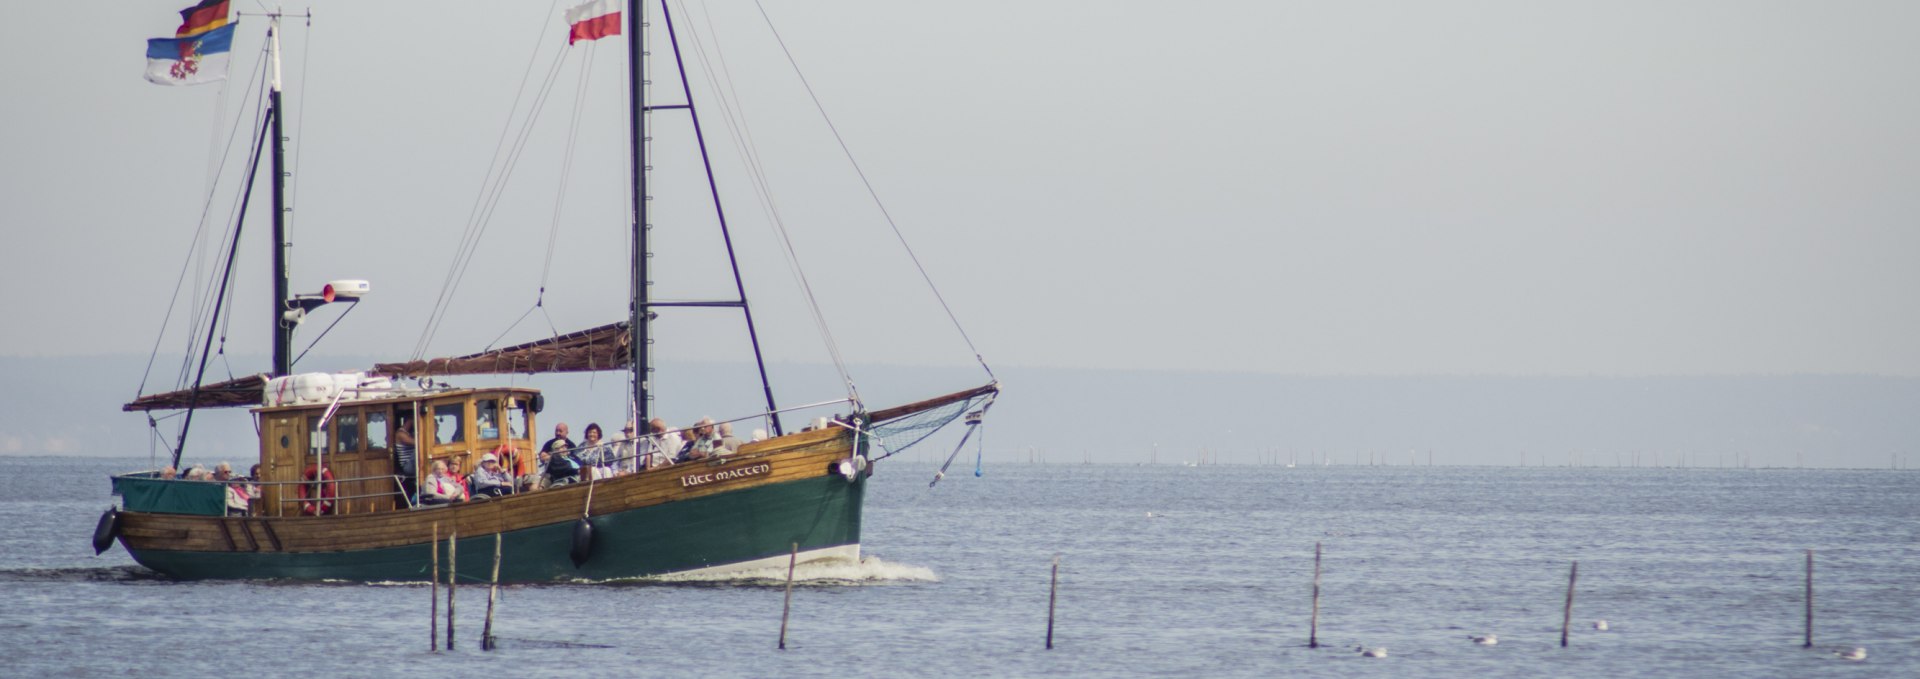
column 637, row 116
column 282, row 328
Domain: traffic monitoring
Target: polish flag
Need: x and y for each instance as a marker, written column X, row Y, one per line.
column 594, row 20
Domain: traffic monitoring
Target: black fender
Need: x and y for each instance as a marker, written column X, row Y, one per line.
column 106, row 531
column 582, row 542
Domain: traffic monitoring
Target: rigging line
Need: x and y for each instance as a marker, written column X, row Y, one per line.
column 300, row 132
column 470, row 246
column 506, row 126
column 240, row 197
column 193, row 244
column 872, row 192
column 226, row 325
column 763, row 186
column 323, row 333
column 549, row 317
column 516, row 324
column 734, row 116
column 463, row 258
column 226, row 277
column 566, row 167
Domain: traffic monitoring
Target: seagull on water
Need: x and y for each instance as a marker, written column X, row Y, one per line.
column 1380, row 652
column 1600, row 625
column 1487, row 640
column 1855, row 653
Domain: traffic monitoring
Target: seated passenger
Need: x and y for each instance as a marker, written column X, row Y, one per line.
column 536, row 479
column 727, row 440
column 490, row 479
column 169, row 473
column 596, row 457
column 223, row 472
column 559, row 439
column 625, row 451
column 562, row 468
column 251, row 486
column 662, row 446
column 442, row 487
column 239, row 501
column 704, row 442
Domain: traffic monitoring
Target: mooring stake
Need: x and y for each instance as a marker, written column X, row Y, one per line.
column 1809, row 643
column 433, row 617
column 787, row 607
column 453, row 581
column 1053, row 593
column 1566, row 616
column 1313, row 624
column 493, row 592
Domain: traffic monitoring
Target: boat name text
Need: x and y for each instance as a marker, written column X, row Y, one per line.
column 691, row 480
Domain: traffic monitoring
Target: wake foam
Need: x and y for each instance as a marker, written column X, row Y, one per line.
column 825, row 572
column 127, row 573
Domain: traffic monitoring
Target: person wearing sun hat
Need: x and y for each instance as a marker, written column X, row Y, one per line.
column 490, row 479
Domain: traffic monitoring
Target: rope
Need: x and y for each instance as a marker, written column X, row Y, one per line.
column 323, row 333
column 736, row 121
column 193, row 245
column 516, row 324
column 566, row 168
column 299, row 136
column 491, row 195
column 500, row 164
column 872, row 192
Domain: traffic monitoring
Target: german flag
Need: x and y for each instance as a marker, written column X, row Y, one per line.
column 206, row 16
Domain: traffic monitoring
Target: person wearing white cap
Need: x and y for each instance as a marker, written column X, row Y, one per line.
column 490, row 479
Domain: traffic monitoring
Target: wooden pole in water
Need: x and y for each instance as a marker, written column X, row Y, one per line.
column 1053, row 595
column 1809, row 643
column 788, row 606
column 453, row 581
column 493, row 592
column 433, row 619
column 1313, row 624
column 1566, row 616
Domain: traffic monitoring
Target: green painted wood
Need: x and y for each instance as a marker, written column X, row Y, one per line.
column 715, row 530
column 146, row 492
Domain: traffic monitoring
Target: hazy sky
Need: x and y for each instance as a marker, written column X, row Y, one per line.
column 1615, row 188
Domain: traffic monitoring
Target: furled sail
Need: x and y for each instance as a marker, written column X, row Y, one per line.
column 234, row 393
column 607, row 347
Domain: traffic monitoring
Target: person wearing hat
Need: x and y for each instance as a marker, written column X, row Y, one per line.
column 490, row 479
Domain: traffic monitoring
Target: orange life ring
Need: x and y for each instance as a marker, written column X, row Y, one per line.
column 317, row 491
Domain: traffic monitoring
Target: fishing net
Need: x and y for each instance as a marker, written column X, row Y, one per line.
column 901, row 433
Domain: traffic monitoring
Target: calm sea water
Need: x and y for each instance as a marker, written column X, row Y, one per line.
column 1203, row 571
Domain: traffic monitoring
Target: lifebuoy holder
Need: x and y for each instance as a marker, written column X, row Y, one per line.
column 317, row 490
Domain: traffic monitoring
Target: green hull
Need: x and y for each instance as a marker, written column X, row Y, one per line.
column 706, row 532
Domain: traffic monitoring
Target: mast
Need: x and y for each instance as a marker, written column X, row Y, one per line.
column 282, row 328
column 637, row 116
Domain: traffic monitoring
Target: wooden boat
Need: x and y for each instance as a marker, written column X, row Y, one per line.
column 332, row 499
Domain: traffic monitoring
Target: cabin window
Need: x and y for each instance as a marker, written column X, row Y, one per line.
column 449, row 423
column 517, row 419
column 347, row 432
column 377, row 429
column 316, row 437
column 486, row 417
